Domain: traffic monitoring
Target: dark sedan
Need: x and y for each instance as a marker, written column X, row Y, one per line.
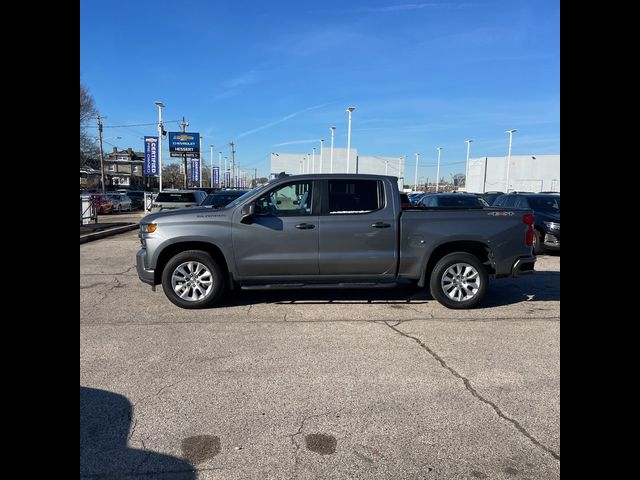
column 546, row 210
column 222, row 198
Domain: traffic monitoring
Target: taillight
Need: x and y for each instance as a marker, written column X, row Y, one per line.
column 528, row 219
column 155, row 205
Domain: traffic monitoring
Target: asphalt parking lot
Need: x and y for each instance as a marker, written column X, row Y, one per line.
column 384, row 384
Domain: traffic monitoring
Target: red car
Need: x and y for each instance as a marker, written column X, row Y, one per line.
column 103, row 205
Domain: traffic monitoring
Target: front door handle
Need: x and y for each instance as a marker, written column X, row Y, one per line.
column 380, row 225
column 305, row 226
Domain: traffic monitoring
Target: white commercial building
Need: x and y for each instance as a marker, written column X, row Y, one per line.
column 527, row 173
column 301, row 163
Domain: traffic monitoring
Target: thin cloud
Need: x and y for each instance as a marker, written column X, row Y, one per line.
column 280, row 120
column 295, row 142
column 415, row 6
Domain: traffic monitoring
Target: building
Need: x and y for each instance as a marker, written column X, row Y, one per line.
column 124, row 168
column 299, row 163
column 528, row 173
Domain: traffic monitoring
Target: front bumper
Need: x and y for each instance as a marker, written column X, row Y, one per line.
column 523, row 266
column 146, row 275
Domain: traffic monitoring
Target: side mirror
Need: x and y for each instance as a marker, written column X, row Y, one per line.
column 247, row 212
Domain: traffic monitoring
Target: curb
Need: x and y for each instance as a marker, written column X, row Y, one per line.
column 89, row 237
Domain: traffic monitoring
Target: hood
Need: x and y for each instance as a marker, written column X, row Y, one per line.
column 176, row 212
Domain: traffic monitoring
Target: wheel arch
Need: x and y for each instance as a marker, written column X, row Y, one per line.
column 476, row 248
column 175, row 248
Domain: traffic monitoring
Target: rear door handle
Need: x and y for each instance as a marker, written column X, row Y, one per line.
column 305, row 226
column 380, row 225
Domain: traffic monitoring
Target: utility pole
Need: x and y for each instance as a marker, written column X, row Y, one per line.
column 101, row 152
column 184, row 124
column 233, row 166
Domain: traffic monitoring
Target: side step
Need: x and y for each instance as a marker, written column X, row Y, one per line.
column 318, row 286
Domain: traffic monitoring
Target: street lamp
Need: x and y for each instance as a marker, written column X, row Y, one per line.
column 313, row 160
column 438, row 169
column 160, row 106
column 321, row 144
column 212, row 166
column 349, row 109
column 510, row 132
column 333, row 129
column 466, row 173
column 415, row 181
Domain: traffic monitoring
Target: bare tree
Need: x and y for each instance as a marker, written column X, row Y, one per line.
column 171, row 176
column 459, row 180
column 88, row 112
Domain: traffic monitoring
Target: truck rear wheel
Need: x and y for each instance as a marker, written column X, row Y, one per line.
column 193, row 279
column 459, row 281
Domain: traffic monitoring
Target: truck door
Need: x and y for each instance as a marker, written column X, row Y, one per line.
column 281, row 239
column 357, row 229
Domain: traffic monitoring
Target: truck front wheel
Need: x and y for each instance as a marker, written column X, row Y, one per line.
column 193, row 279
column 459, row 280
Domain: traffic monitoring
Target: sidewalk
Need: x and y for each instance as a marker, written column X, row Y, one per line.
column 111, row 224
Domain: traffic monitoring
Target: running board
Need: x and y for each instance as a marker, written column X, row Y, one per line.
column 314, row 286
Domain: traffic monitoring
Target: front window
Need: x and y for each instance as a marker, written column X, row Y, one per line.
column 293, row 199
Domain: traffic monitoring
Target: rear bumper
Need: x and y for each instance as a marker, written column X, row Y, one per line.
column 523, row 266
column 146, row 275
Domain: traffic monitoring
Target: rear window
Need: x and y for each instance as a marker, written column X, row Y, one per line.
column 355, row 196
column 186, row 197
column 461, row 201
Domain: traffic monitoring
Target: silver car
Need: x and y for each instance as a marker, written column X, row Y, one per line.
column 120, row 202
column 170, row 200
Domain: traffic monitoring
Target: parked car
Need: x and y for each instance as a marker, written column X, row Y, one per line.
column 490, row 197
column 137, row 198
column 451, row 200
column 170, row 200
column 103, row 203
column 222, row 198
column 120, row 201
column 404, row 201
column 546, row 210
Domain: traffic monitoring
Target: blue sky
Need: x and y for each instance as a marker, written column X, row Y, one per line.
column 273, row 76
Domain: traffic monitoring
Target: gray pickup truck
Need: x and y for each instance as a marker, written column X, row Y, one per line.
column 333, row 230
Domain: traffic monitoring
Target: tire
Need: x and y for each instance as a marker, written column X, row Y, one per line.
column 459, row 266
column 538, row 248
column 210, row 280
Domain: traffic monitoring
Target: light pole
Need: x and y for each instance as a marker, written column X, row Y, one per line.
column 438, row 169
column 200, row 163
column 510, row 132
column 333, row 129
column 401, row 171
column 349, row 109
column 466, row 173
column 212, row 166
column 386, row 167
column 160, row 106
column 313, row 160
column 321, row 144
column 415, row 181
column 220, row 172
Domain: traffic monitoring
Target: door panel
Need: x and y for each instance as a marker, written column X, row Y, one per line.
column 358, row 230
column 282, row 238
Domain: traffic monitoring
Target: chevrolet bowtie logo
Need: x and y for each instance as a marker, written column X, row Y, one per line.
column 184, row 137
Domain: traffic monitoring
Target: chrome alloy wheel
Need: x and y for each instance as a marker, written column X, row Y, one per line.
column 192, row 281
column 460, row 282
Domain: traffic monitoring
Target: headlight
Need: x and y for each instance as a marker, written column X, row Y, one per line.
column 552, row 225
column 148, row 227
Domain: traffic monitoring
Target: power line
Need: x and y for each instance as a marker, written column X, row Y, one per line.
column 132, row 125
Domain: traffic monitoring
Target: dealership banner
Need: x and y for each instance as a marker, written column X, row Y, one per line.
column 195, row 170
column 216, row 175
column 151, row 156
column 184, row 143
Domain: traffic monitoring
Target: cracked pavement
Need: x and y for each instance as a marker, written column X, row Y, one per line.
column 406, row 388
